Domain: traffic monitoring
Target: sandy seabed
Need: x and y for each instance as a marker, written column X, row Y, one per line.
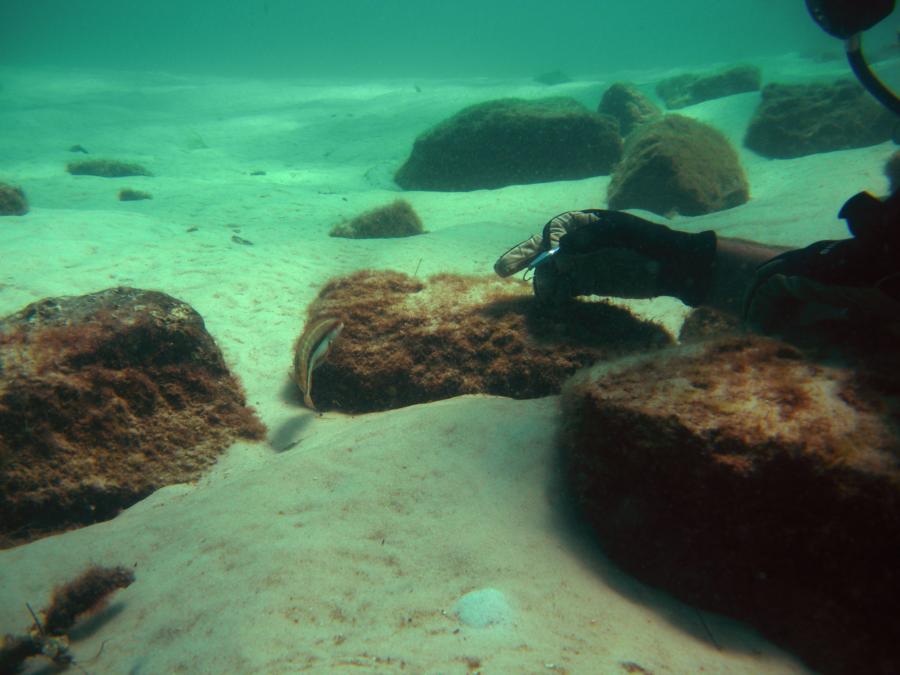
column 349, row 551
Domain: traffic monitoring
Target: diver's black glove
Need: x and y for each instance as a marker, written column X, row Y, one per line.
column 614, row 253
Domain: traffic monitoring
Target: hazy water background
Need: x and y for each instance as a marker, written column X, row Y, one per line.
column 398, row 38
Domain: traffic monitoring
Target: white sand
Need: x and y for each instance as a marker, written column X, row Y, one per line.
column 348, row 551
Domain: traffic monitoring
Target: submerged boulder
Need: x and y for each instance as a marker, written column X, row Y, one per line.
column 628, row 106
column 12, row 201
column 106, row 168
column 397, row 219
column 512, row 141
column 552, row 78
column 103, row 399
column 409, row 341
column 748, row 479
column 678, row 165
column 129, row 195
column 688, row 89
column 793, row 120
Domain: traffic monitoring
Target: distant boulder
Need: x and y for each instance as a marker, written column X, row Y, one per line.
column 794, row 120
column 12, row 201
column 105, row 168
column 397, row 219
column 628, row 105
column 129, row 195
column 512, row 141
column 552, row 78
column 678, row 165
column 684, row 90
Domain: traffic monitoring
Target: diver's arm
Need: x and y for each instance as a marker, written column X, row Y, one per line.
column 734, row 270
column 614, row 253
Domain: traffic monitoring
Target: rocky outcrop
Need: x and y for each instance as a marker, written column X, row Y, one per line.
column 510, row 142
column 678, row 165
column 409, row 341
column 628, row 106
column 103, row 399
column 793, row 120
column 688, row 89
column 747, row 479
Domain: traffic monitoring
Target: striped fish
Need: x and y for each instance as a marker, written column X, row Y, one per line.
column 311, row 350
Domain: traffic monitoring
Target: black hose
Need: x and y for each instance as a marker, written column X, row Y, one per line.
column 867, row 78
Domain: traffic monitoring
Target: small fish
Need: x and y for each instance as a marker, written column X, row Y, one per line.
column 542, row 258
column 311, row 350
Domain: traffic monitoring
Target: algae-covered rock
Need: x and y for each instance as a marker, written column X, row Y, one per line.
column 747, row 478
column 129, row 195
column 105, row 168
column 408, row 341
column 628, row 105
column 793, row 120
column 103, row 399
column 512, row 141
column 678, row 165
column 397, row 219
column 684, row 90
column 12, row 201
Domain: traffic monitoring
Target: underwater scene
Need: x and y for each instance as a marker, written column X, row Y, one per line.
column 382, row 336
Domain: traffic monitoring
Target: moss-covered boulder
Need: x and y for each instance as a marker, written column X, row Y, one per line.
column 512, row 141
column 751, row 478
column 408, row 341
column 794, row 120
column 129, row 195
column 691, row 88
column 397, row 219
column 105, row 168
column 678, row 165
column 105, row 398
column 628, row 105
column 12, row 201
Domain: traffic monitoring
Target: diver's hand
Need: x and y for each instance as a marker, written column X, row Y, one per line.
column 523, row 254
column 615, row 254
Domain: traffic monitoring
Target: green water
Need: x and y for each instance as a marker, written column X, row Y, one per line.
column 387, row 38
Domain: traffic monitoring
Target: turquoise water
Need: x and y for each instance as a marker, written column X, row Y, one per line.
column 388, row 38
column 428, row 539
